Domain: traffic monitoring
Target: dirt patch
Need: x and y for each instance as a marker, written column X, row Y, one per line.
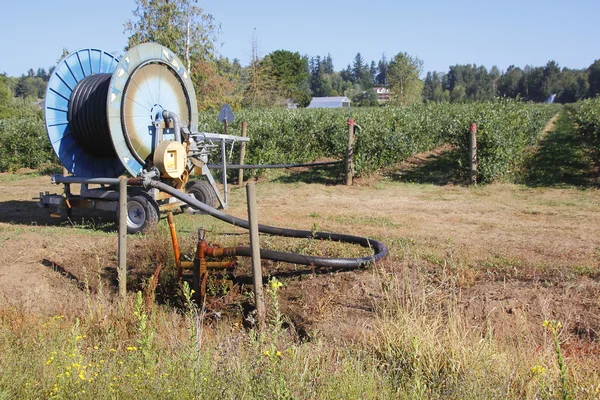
column 516, row 309
column 516, row 255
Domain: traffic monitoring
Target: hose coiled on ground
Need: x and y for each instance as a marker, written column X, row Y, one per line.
column 380, row 250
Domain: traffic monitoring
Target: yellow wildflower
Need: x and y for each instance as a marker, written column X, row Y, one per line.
column 538, row 370
column 275, row 284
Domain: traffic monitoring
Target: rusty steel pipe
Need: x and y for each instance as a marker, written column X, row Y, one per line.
column 220, row 251
column 221, row 265
column 171, row 221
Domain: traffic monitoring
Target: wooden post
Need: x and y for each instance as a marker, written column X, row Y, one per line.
column 350, row 153
column 259, row 297
column 242, row 155
column 122, row 267
column 473, row 153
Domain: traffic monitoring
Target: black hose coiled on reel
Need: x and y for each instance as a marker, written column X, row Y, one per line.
column 87, row 115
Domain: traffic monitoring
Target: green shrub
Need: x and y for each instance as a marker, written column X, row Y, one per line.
column 587, row 115
column 24, row 144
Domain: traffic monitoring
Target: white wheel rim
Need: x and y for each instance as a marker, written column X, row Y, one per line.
column 136, row 215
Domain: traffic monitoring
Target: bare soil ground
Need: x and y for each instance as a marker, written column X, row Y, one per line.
column 511, row 255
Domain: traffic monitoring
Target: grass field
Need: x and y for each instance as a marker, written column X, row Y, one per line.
column 488, row 292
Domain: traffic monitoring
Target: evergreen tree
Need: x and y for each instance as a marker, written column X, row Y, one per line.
column 327, row 64
column 382, row 66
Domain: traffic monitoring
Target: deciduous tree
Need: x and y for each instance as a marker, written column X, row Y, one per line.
column 404, row 81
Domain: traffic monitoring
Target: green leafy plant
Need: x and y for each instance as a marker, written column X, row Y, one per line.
column 391, row 134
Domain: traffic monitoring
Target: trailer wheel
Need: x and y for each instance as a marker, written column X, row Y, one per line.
column 204, row 192
column 142, row 214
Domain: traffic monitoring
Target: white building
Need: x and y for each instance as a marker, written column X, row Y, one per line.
column 329, row 102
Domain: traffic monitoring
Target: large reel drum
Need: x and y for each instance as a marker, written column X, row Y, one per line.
column 103, row 114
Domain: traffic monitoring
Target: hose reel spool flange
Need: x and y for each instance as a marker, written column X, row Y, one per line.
column 147, row 80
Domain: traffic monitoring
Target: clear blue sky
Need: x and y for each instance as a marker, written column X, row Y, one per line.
column 441, row 33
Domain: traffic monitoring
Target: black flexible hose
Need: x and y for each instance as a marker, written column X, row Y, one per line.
column 261, row 166
column 87, row 116
column 380, row 250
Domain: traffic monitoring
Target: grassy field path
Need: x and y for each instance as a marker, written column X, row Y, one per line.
column 562, row 158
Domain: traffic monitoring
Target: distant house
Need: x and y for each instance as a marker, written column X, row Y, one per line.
column 329, row 102
column 383, row 94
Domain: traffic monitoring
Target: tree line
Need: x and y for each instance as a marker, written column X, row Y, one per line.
column 282, row 77
column 463, row 83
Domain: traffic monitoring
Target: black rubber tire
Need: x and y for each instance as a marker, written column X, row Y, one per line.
column 142, row 214
column 202, row 191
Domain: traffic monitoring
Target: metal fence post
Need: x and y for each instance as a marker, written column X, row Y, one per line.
column 224, row 170
column 350, row 153
column 122, row 268
column 473, row 153
column 242, row 155
column 259, row 298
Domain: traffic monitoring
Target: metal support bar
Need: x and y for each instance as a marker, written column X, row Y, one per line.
column 242, row 154
column 56, row 179
column 266, row 166
column 224, row 174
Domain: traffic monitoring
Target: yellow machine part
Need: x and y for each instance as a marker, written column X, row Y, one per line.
column 170, row 159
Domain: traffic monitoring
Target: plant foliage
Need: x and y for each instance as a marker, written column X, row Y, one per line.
column 392, row 134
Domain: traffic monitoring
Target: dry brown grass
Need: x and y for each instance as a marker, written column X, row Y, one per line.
column 466, row 264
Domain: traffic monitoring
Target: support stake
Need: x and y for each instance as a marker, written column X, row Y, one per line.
column 473, row 153
column 122, row 268
column 350, row 153
column 242, row 155
column 259, row 298
column 224, row 171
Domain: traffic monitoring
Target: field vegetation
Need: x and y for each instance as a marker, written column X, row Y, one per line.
column 489, row 291
column 392, row 134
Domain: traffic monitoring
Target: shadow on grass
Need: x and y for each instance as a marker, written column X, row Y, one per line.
column 326, row 175
column 561, row 159
column 441, row 167
column 23, row 212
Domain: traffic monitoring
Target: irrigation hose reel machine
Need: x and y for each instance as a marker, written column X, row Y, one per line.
column 107, row 116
